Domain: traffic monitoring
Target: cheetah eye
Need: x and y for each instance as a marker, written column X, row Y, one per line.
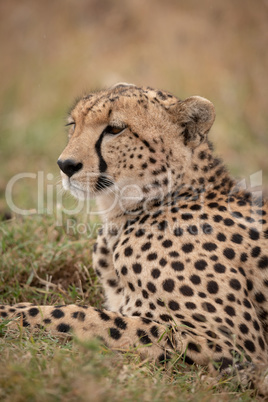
column 72, row 123
column 113, row 130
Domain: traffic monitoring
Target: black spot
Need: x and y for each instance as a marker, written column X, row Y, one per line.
column 154, row 331
column 131, row 287
column 228, row 222
column 138, row 303
column 229, row 310
column 155, row 273
column 168, row 285
column 173, row 305
column 255, row 252
column 57, row 313
column 124, row 270
column 120, row 323
column 208, row 307
column 237, row 238
column 194, row 347
column 186, row 216
column 187, row 248
column 167, row 243
column 178, row 232
column 112, row 283
column 163, row 262
column 163, row 225
column 217, row 218
column 202, row 155
column 249, row 345
column 188, row 324
column 261, row 343
column 160, row 303
column 242, row 272
column 188, row 360
column 104, row 316
column 231, row 297
column 207, row 229
column 195, row 207
column 33, row 311
column 263, row 262
column 200, row 265
column 209, row 246
column 243, row 328
column 128, row 251
column 143, row 337
column 151, row 287
column 219, row 268
column 190, row 306
column 137, row 268
column 140, row 232
column 177, row 266
column 63, row 327
column 213, row 205
column 221, row 237
column 223, row 363
column 247, row 303
column 243, row 257
column 104, row 250
column 260, row 298
column 212, row 287
column 225, row 331
column 103, row 263
column 254, row 234
column 229, row 253
column 174, row 254
column 145, row 294
column 165, row 317
column 199, row 317
column 114, row 333
column 195, row 279
column 146, row 246
column 80, row 315
column 249, row 285
column 47, row 321
column 152, row 256
column 186, row 290
column 146, row 320
column 192, row 229
column 235, row 284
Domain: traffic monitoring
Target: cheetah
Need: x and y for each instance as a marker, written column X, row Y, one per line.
column 182, row 255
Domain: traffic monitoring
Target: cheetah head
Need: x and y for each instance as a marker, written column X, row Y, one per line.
column 127, row 139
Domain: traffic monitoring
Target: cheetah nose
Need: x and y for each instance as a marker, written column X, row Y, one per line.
column 69, row 166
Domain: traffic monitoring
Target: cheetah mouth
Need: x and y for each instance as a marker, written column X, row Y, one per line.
column 102, row 185
column 79, row 192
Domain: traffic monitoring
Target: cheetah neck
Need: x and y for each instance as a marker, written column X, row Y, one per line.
column 201, row 174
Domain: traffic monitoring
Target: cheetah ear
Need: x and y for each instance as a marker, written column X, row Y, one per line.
column 121, row 84
column 196, row 116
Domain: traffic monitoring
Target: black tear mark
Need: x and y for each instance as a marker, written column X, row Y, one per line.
column 103, row 181
column 102, row 163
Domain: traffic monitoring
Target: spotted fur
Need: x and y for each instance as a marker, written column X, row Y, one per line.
column 182, row 256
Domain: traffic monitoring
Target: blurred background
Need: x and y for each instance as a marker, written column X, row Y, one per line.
column 54, row 51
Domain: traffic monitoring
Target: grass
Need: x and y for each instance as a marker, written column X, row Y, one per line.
column 42, row 263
